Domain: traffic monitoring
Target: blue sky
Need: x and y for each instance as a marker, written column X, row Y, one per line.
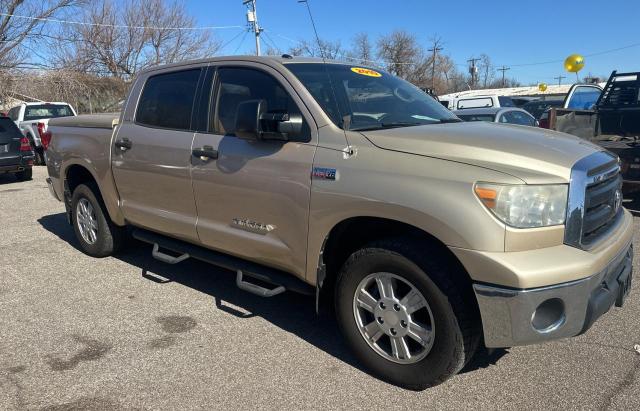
column 511, row 32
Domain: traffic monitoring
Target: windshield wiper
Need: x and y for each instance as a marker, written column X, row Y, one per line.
column 386, row 125
column 450, row 120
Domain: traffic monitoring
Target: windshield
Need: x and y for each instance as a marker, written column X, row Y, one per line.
column 368, row 99
column 47, row 111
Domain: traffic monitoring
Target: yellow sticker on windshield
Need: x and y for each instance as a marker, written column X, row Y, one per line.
column 366, row 72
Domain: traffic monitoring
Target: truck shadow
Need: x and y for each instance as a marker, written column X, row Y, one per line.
column 289, row 311
column 7, row 178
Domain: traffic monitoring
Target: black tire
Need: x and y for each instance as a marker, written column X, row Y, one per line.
column 39, row 159
column 456, row 322
column 109, row 237
column 38, row 154
column 25, row 175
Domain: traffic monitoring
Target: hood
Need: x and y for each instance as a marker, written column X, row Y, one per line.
column 535, row 155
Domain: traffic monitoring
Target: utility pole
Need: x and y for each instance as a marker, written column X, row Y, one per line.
column 559, row 78
column 435, row 49
column 473, row 70
column 503, row 69
column 252, row 20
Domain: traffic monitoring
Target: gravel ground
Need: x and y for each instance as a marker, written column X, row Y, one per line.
column 132, row 333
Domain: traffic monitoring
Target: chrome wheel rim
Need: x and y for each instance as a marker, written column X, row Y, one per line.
column 394, row 318
column 86, row 221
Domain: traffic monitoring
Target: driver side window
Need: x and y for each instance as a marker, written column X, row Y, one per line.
column 237, row 85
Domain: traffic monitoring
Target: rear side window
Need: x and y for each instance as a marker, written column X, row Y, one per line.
column 475, row 102
column 506, row 102
column 517, row 117
column 167, row 100
column 478, row 117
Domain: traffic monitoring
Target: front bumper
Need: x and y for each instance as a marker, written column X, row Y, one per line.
column 513, row 317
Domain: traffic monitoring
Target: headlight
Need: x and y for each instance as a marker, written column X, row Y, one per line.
column 525, row 206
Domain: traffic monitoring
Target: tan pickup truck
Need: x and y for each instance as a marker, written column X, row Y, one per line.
column 427, row 237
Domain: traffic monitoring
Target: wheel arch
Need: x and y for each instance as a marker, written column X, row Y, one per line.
column 76, row 173
column 353, row 233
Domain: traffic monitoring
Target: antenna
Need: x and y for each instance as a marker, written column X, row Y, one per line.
column 346, row 120
column 252, row 20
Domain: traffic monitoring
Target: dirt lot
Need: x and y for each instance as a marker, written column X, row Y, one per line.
column 130, row 332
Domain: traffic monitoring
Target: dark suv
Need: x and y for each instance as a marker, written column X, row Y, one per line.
column 16, row 155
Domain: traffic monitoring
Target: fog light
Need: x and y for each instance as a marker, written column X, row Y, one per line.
column 548, row 316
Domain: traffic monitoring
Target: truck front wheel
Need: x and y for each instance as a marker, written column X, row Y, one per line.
column 95, row 232
column 402, row 315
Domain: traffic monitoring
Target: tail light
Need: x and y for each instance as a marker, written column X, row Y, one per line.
column 543, row 123
column 45, row 139
column 24, row 144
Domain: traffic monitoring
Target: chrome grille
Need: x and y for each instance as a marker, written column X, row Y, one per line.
column 601, row 205
column 595, row 199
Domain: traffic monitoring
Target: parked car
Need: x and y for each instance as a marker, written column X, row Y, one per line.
column 33, row 118
column 609, row 118
column 469, row 102
column 16, row 155
column 427, row 235
column 537, row 107
column 498, row 115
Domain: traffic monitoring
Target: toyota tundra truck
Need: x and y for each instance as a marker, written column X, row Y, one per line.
column 426, row 237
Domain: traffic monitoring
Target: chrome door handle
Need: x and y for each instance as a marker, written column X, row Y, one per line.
column 123, row 144
column 205, row 153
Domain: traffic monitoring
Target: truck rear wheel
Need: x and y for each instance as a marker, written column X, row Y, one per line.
column 95, row 232
column 403, row 317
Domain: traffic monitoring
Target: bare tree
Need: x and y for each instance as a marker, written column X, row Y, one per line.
column 404, row 57
column 122, row 40
column 17, row 34
column 362, row 49
column 486, row 71
column 331, row 50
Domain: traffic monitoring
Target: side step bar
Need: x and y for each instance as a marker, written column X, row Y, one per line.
column 279, row 279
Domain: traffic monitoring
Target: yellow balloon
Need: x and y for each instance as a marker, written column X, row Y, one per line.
column 574, row 63
column 542, row 87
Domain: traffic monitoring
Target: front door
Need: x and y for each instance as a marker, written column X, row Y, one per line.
column 253, row 200
column 151, row 156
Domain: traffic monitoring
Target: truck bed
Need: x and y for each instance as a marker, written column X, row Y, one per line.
column 103, row 120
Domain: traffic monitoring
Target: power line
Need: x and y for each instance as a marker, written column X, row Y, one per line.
column 120, row 26
column 252, row 19
column 241, row 42
column 503, row 69
column 435, row 49
column 232, row 39
column 473, row 69
column 559, row 78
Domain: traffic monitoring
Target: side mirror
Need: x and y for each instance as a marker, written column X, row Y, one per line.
column 248, row 119
column 254, row 122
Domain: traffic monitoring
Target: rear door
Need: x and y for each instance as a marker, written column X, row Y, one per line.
column 151, row 154
column 10, row 137
column 253, row 200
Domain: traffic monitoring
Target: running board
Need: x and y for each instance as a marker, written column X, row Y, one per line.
column 281, row 280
